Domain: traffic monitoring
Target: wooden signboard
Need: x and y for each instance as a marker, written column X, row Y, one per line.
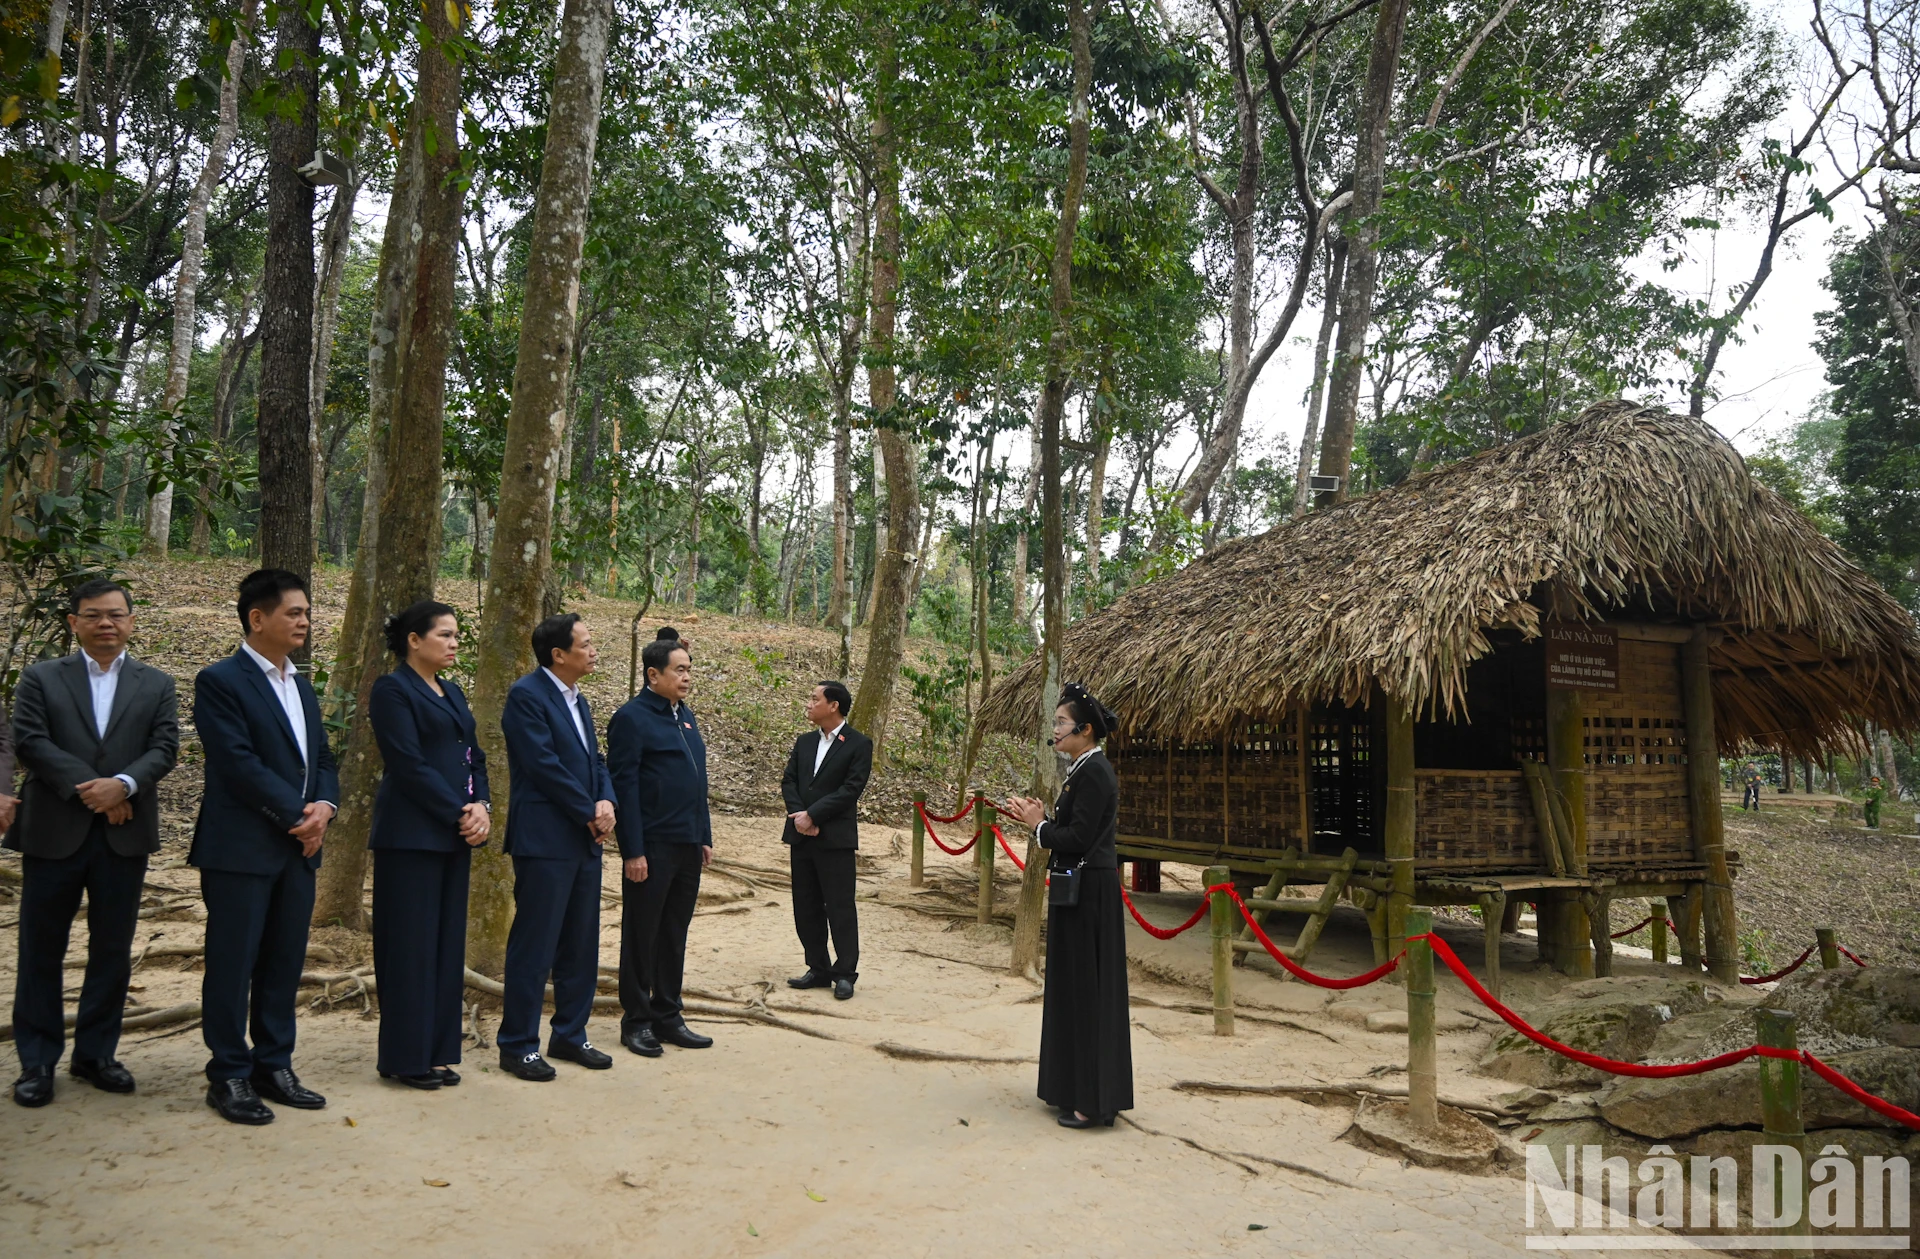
column 1582, row 657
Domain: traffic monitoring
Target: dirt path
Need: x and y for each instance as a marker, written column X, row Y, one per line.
column 771, row 1142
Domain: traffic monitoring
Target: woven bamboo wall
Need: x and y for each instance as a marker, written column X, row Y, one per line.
column 1474, row 817
column 1636, row 758
column 1248, row 795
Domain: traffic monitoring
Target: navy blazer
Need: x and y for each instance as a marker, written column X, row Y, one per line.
column 256, row 787
column 432, row 754
column 554, row 783
column 659, row 767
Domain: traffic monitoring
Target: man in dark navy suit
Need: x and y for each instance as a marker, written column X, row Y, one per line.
column 270, row 788
column 559, row 813
column 826, row 772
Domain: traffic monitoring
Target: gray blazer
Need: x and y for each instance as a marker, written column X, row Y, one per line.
column 55, row 739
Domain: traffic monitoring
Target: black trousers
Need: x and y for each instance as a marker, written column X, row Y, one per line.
column 49, row 899
column 420, row 955
column 654, row 917
column 556, row 930
column 822, row 903
column 256, row 947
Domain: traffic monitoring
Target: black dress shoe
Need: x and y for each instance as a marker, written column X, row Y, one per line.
column 238, row 1103
column 103, row 1073
column 34, row 1087
column 448, row 1076
column 812, row 979
column 842, row 989
column 642, row 1041
column 527, row 1066
column 1070, row 1120
column 284, row 1086
column 425, row 1080
column 682, row 1035
column 582, row 1055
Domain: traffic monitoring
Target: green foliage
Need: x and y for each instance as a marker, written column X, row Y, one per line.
column 936, row 689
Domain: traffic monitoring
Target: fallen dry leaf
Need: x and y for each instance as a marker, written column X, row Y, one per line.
column 437, row 1184
column 351, row 1123
column 811, row 1194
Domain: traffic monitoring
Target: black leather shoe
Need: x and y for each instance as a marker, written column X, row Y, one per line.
column 527, row 1066
column 1070, row 1120
column 448, row 1076
column 642, row 1041
column 682, row 1035
column 103, row 1073
column 812, row 979
column 238, row 1103
column 425, row 1080
column 842, row 989
column 34, row 1087
column 284, row 1086
column 582, row 1055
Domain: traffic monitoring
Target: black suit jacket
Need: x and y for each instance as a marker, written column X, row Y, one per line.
column 434, row 765
column 831, row 797
column 257, row 788
column 554, row 781
column 1084, row 817
column 58, row 741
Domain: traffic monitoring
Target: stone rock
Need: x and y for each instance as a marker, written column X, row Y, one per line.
column 1387, row 1021
column 1355, row 1012
column 1559, row 1137
column 1460, row 1143
column 1617, row 1017
column 1567, row 1110
column 1878, row 1002
column 1730, row 1098
column 1738, row 1146
column 1396, row 1021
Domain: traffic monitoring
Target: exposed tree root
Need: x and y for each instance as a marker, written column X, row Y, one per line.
column 744, row 1014
column 1333, row 1094
column 1234, row 1156
column 912, row 1053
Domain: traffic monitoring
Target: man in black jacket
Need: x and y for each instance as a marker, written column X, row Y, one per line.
column 96, row 731
column 826, row 772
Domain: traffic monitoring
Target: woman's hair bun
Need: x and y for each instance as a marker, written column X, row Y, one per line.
column 1088, row 711
column 668, row 634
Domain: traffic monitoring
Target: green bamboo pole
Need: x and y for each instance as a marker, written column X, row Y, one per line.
column 1423, row 1081
column 983, row 840
column 917, row 872
column 1780, row 1115
column 1399, row 821
column 1659, row 911
column 1703, row 797
column 1829, row 948
column 1222, row 927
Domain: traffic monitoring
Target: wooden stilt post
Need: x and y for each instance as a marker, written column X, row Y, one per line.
column 1510, row 916
column 1566, row 757
column 1493, row 916
column 1222, row 927
column 1658, row 926
column 1399, row 820
column 1703, row 797
column 983, row 840
column 917, row 872
column 1780, row 1119
column 1686, row 916
column 1423, row 1081
column 1829, row 948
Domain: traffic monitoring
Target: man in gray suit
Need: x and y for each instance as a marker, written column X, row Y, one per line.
column 95, row 731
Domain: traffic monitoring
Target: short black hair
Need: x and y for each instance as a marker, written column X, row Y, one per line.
column 94, row 589
column 658, row 654
column 415, row 618
column 553, row 634
column 838, row 694
column 263, row 588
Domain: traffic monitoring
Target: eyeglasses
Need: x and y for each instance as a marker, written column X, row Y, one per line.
column 95, row 617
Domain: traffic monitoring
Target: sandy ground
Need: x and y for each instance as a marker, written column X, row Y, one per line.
column 771, row 1142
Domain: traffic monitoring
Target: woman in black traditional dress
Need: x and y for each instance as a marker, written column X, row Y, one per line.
column 1086, row 1052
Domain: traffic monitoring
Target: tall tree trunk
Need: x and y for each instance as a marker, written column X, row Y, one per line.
column 1889, row 770
column 234, row 353
column 1329, row 319
column 840, row 587
column 334, row 243
column 286, row 312
column 1031, row 912
column 1096, row 504
column 405, row 563
column 1029, row 496
column 186, row 283
column 886, row 635
column 522, row 551
column 1363, row 258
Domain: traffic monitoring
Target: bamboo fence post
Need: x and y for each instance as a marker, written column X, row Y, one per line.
column 917, row 872
column 1222, row 928
column 1400, row 821
column 1658, row 909
column 1566, row 759
column 1423, row 1081
column 1703, row 797
column 983, row 840
column 1829, row 948
column 1780, row 1118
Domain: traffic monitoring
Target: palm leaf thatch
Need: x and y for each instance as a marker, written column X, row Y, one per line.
column 1626, row 513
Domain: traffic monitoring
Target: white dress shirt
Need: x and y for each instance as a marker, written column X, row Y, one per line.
column 572, row 694
column 826, row 742
column 1078, row 761
column 105, row 684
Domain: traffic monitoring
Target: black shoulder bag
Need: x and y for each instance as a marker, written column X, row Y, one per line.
column 1063, row 886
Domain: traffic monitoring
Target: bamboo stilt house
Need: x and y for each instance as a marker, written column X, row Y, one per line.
column 1490, row 680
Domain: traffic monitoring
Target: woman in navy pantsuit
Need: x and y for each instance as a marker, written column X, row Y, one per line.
column 430, row 815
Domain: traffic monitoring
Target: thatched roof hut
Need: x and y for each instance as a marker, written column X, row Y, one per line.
column 1627, row 512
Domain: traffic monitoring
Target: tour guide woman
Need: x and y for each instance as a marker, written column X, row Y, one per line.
column 429, row 816
column 1086, row 1057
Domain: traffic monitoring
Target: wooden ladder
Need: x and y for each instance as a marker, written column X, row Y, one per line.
column 1270, row 899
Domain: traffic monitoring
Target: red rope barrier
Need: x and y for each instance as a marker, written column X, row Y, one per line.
column 1630, row 930
column 1857, row 1093
column 1849, row 955
column 1008, row 848
column 935, row 817
column 1294, row 968
column 1797, row 963
column 1162, row 933
column 927, row 820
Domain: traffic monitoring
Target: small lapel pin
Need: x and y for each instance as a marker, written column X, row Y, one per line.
column 840, row 739
column 687, row 724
